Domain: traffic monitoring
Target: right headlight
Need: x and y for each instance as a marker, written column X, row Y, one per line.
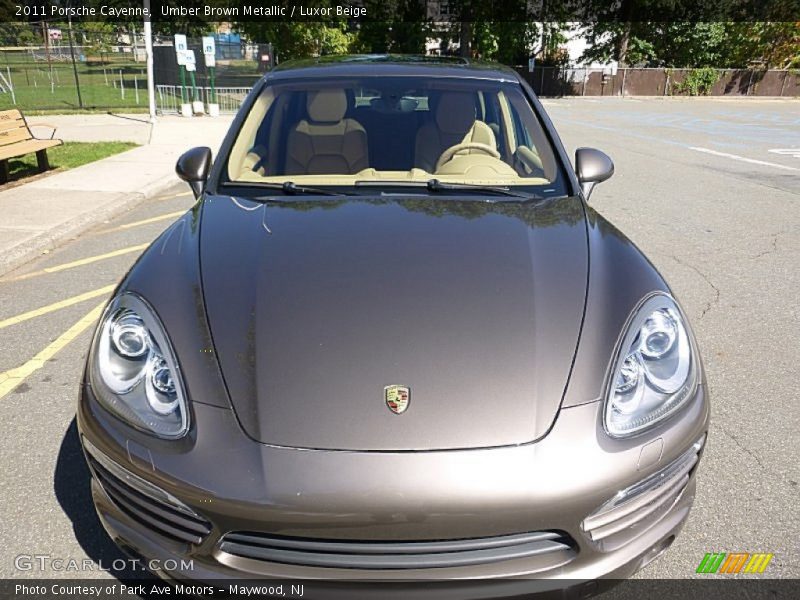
column 655, row 371
column 133, row 371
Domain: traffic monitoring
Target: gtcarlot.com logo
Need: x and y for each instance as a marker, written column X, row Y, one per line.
column 47, row 562
column 733, row 563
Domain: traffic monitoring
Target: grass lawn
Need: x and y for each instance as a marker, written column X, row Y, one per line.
column 67, row 156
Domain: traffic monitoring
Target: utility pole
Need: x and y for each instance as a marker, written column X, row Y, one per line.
column 148, row 49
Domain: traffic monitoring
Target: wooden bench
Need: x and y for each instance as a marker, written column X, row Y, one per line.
column 16, row 139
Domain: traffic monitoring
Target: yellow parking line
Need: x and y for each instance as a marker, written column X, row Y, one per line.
column 172, row 215
column 12, row 378
column 76, row 263
column 56, row 306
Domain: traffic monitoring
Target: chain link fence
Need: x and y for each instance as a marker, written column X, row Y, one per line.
column 44, row 67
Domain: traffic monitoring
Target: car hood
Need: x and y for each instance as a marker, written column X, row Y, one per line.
column 316, row 306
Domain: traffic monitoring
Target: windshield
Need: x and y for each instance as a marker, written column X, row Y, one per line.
column 394, row 130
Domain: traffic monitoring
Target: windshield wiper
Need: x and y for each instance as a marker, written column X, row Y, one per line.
column 435, row 186
column 289, row 188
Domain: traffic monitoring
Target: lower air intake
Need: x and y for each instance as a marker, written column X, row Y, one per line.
column 551, row 547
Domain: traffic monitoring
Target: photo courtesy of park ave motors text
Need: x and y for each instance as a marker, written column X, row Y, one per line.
column 406, row 299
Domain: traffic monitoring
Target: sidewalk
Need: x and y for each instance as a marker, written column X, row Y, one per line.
column 37, row 216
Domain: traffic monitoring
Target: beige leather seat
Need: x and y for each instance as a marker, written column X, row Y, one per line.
column 454, row 116
column 327, row 143
column 475, row 156
column 479, row 133
column 254, row 161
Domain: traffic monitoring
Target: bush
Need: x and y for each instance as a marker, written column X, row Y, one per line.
column 698, row 82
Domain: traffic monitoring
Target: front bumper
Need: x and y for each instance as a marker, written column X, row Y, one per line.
column 553, row 485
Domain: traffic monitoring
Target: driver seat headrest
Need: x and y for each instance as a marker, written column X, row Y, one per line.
column 326, row 106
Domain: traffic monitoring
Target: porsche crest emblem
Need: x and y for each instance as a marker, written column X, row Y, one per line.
column 397, row 398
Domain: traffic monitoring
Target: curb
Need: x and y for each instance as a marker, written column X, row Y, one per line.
column 49, row 240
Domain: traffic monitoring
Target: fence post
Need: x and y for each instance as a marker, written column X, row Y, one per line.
column 136, row 88
column 11, row 86
column 121, row 85
column 74, row 66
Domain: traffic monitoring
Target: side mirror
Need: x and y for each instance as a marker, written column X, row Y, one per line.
column 592, row 167
column 193, row 167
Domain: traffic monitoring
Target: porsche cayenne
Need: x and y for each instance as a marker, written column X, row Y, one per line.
column 393, row 341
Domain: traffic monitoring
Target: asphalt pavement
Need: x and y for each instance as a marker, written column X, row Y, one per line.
column 697, row 187
column 725, row 232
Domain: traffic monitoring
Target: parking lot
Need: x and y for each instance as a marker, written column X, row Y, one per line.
column 709, row 189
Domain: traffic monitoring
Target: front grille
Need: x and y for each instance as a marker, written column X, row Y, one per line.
column 635, row 509
column 554, row 548
column 143, row 502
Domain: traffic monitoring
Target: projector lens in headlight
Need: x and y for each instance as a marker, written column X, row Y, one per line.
column 134, row 372
column 655, row 371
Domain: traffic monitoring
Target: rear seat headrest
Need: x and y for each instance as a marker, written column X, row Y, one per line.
column 455, row 112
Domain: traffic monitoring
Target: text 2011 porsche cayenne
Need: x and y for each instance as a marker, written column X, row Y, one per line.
column 391, row 341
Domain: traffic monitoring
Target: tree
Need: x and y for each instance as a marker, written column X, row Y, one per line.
column 772, row 44
column 17, row 34
column 695, row 44
column 299, row 39
column 508, row 42
column 395, row 26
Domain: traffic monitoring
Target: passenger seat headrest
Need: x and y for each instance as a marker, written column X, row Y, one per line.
column 455, row 112
column 326, row 106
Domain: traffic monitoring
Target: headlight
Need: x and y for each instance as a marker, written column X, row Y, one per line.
column 133, row 370
column 655, row 371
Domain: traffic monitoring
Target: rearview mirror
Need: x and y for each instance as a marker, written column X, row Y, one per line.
column 193, row 167
column 592, row 167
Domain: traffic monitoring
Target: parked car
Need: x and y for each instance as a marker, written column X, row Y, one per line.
column 392, row 340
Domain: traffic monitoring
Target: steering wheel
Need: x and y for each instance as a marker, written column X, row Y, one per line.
column 452, row 150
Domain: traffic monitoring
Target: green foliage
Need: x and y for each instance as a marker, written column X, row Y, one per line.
column 299, row 39
column 395, row 26
column 692, row 45
column 675, row 44
column 99, row 36
column 508, row 42
column 18, row 34
column 334, row 40
column 770, row 44
column 698, row 82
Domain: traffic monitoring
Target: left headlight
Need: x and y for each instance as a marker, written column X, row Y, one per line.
column 133, row 370
column 655, row 371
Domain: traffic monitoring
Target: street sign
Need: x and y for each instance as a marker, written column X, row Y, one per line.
column 208, row 44
column 180, row 48
column 209, row 50
column 190, row 60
